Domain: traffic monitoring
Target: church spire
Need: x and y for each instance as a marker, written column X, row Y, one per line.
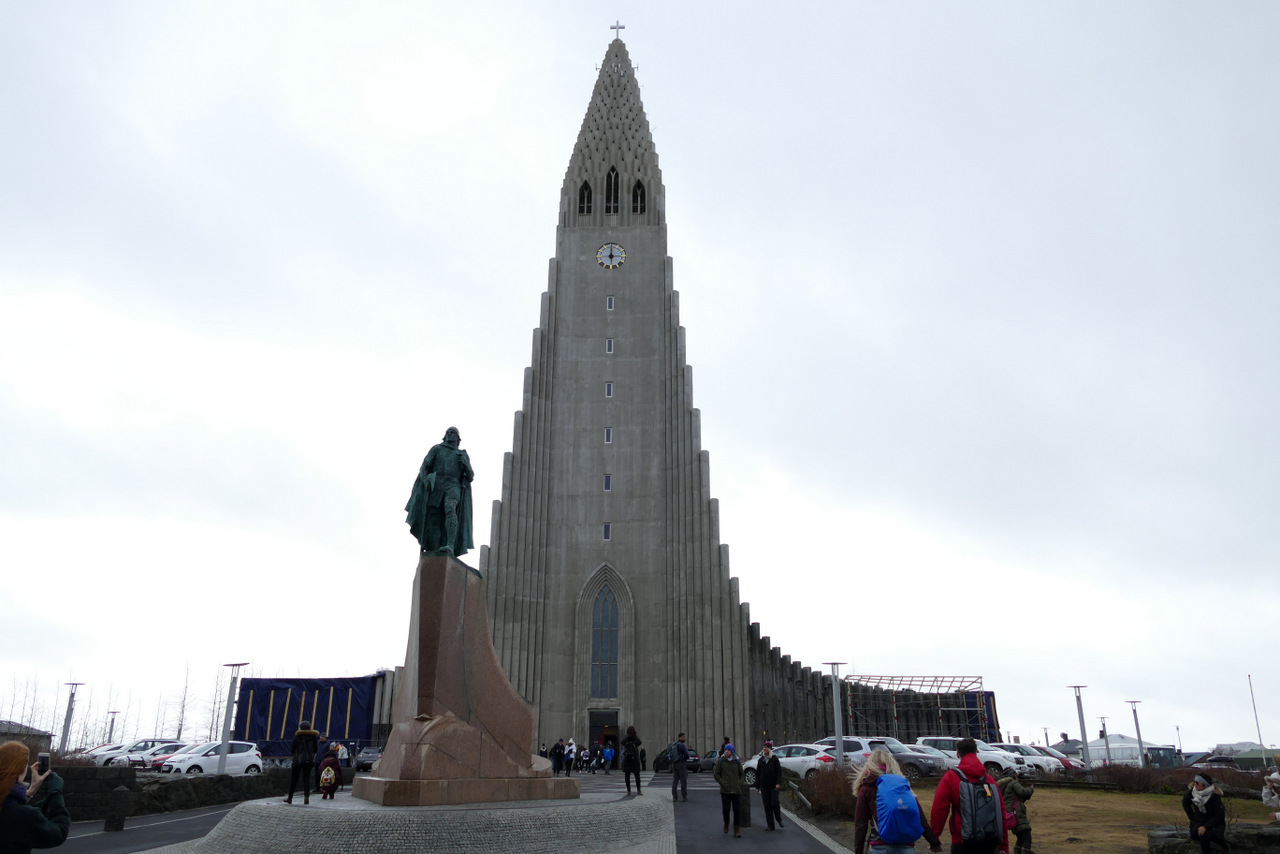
column 613, row 176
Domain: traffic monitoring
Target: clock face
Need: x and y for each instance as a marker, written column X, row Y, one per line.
column 611, row 255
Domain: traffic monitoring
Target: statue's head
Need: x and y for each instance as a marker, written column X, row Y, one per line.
column 451, row 436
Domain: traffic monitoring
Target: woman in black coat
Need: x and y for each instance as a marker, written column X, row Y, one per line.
column 631, row 759
column 1203, row 805
column 305, row 744
column 769, row 782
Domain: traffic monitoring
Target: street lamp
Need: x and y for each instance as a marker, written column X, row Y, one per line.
column 1142, row 751
column 226, row 719
column 66, row 721
column 1106, row 740
column 835, row 703
column 1084, row 736
column 111, row 732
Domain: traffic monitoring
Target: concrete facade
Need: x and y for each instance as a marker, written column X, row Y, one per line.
column 609, row 395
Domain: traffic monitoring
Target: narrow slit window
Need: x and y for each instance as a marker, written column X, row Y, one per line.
column 608, row 483
column 584, row 199
column 608, row 345
column 637, row 198
column 607, row 531
column 608, row 389
column 608, row 435
column 608, row 303
column 611, row 192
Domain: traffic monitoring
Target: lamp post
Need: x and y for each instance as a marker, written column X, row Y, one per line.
column 1253, row 700
column 1106, row 739
column 1046, row 735
column 1084, row 736
column 66, row 721
column 1179, row 729
column 111, row 731
column 835, row 704
column 226, row 719
column 1142, row 750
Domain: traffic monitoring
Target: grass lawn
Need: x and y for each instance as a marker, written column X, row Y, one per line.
column 1080, row 822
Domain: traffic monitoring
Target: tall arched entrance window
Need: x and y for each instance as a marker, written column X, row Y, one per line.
column 604, row 645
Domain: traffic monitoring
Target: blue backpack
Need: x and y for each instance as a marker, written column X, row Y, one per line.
column 897, row 813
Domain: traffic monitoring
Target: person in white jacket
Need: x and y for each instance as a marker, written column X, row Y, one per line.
column 1271, row 794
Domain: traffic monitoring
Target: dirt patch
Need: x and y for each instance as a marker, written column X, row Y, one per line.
column 1064, row 821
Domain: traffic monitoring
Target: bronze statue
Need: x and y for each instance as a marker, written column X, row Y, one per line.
column 439, row 507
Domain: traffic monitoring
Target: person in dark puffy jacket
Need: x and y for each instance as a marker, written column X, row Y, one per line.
column 306, row 742
column 729, row 774
column 331, row 762
column 1015, row 796
column 631, row 759
column 1203, row 805
column 769, row 782
column 23, row 826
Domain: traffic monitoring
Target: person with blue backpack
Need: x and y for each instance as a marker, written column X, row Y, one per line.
column 975, row 804
column 887, row 816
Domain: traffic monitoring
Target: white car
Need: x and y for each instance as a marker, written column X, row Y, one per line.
column 1035, row 759
column 94, row 753
column 913, row 759
column 142, row 758
column 993, row 758
column 804, row 759
column 108, row 757
column 950, row 760
column 243, row 757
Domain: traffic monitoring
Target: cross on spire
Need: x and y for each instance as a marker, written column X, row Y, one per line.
column 618, row 27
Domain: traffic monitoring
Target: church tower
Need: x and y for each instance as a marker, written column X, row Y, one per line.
column 610, row 598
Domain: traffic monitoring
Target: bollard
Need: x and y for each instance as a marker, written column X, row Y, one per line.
column 117, row 809
column 744, row 806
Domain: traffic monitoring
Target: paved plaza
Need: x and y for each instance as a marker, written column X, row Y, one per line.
column 605, row 819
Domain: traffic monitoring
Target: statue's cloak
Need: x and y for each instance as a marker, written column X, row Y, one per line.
column 420, row 499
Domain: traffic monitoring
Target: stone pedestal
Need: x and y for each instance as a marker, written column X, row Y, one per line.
column 462, row 732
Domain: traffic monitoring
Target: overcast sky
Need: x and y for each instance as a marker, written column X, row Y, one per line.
column 981, row 303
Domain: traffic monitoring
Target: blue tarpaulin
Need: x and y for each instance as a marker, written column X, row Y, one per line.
column 269, row 710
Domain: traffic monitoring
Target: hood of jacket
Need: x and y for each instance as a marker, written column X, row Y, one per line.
column 972, row 767
column 307, row 732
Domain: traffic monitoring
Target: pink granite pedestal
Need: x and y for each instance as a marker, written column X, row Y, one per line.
column 463, row 733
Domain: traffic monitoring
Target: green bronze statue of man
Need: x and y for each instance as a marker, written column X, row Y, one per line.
column 439, row 507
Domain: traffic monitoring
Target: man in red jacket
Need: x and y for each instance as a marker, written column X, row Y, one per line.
column 972, row 802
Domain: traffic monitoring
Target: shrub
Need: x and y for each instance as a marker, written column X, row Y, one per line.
column 830, row 791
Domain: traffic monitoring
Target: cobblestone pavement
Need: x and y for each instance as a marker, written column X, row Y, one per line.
column 605, row 819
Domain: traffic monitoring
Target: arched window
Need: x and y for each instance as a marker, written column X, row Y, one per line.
column 604, row 645
column 584, row 199
column 611, row 192
column 637, row 198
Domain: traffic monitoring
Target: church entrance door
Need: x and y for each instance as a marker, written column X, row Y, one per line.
column 604, row 729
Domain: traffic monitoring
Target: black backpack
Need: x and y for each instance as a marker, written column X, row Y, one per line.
column 980, row 818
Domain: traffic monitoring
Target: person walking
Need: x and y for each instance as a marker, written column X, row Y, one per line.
column 557, row 757
column 330, row 774
column 1203, row 805
column 306, row 742
column 607, row 754
column 322, row 747
column 1015, row 796
column 866, row 814
column 23, row 826
column 680, row 768
column 570, row 752
column 769, row 782
column 970, row 789
column 631, row 759
column 729, row 774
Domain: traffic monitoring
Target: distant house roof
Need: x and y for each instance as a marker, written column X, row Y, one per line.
column 15, row 728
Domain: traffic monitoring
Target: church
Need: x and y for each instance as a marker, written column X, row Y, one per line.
column 610, row 597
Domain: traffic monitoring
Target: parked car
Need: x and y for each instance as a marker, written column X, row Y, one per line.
column 804, row 759
column 914, row 763
column 108, row 757
column 366, row 757
column 1217, row 761
column 94, row 752
column 142, row 758
column 1036, row 760
column 243, row 757
column 1068, row 763
column 158, row 762
column 994, row 759
column 950, row 761
column 696, row 763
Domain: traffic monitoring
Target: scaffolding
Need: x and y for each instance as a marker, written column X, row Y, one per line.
column 910, row 707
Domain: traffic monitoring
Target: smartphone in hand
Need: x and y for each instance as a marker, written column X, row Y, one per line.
column 42, row 763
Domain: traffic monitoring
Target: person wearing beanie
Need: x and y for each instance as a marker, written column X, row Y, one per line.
column 769, row 782
column 23, row 826
column 729, row 774
column 303, row 748
column 1271, row 794
column 1203, row 805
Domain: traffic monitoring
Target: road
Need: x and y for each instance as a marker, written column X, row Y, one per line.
column 144, row 832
